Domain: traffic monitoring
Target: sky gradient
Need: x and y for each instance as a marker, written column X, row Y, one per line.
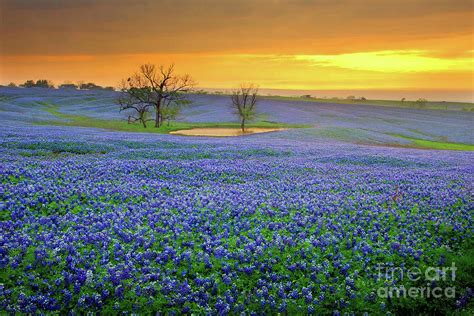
column 424, row 45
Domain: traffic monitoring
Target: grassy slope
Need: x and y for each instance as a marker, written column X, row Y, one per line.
column 120, row 125
column 459, row 106
column 428, row 144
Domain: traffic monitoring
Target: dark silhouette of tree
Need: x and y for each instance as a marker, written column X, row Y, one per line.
column 89, row 86
column 12, row 85
column 28, row 84
column 136, row 99
column 157, row 85
column 244, row 101
column 43, row 83
column 67, row 86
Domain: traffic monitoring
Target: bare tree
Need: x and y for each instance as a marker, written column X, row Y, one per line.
column 244, row 101
column 135, row 99
column 157, row 85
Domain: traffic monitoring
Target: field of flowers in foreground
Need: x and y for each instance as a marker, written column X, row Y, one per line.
column 97, row 221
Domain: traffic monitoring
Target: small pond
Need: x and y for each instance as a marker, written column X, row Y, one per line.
column 224, row 132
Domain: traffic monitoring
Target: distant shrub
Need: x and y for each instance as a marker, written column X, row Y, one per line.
column 90, row 86
column 421, row 102
column 67, row 86
column 28, row 84
column 41, row 83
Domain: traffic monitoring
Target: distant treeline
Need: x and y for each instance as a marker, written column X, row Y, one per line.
column 43, row 83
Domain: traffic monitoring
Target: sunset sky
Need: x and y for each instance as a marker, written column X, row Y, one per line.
column 314, row 45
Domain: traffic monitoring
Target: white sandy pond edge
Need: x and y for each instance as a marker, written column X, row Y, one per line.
column 224, row 131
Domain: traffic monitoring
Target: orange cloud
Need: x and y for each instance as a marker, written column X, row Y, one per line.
column 338, row 44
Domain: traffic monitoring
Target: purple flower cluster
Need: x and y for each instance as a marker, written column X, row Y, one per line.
column 117, row 222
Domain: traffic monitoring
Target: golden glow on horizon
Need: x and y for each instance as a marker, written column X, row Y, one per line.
column 407, row 69
column 392, row 61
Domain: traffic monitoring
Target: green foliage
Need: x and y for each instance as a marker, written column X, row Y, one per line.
column 462, row 258
column 170, row 112
column 428, row 144
column 119, row 125
column 46, row 148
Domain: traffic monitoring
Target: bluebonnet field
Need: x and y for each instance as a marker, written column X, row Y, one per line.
column 295, row 221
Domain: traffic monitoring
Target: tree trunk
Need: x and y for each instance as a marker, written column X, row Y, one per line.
column 158, row 113
column 157, row 117
column 144, row 123
column 242, row 125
